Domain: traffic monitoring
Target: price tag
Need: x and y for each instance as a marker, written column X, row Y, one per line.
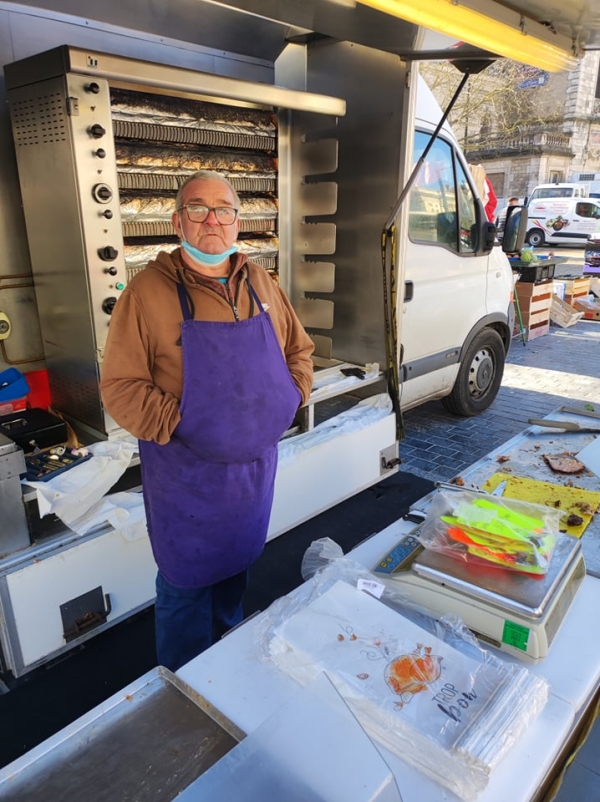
column 515, row 635
column 374, row 588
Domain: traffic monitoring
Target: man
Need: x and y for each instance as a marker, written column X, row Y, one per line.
column 501, row 219
column 206, row 363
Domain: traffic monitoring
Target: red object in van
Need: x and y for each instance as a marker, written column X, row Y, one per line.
column 39, row 389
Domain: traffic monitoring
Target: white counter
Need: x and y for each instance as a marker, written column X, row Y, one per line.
column 248, row 690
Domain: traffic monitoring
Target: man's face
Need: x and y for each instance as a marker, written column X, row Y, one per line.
column 210, row 236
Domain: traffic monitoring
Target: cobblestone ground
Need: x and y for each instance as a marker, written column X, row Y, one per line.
column 559, row 369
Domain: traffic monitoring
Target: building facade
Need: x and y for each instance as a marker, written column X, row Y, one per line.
column 529, row 127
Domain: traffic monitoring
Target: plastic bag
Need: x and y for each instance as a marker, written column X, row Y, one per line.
column 512, row 534
column 421, row 687
column 319, row 554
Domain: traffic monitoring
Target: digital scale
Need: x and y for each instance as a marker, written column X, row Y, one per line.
column 512, row 611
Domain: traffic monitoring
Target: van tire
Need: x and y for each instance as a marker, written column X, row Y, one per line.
column 479, row 375
column 536, row 237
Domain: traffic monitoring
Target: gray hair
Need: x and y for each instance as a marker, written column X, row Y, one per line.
column 205, row 175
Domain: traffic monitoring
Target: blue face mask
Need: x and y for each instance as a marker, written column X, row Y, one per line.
column 207, row 259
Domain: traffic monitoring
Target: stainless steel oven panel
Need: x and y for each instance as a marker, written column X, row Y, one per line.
column 373, row 84
column 308, row 192
column 119, row 70
column 54, row 155
column 99, row 197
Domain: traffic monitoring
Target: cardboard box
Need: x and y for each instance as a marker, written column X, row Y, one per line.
column 589, row 306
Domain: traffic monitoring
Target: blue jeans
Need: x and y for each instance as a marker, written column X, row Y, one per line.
column 189, row 620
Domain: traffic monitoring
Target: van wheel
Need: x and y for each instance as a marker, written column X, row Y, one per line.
column 479, row 376
column 536, row 237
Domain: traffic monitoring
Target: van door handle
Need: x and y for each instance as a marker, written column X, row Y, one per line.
column 409, row 289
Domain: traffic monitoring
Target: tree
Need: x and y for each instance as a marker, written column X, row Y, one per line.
column 507, row 99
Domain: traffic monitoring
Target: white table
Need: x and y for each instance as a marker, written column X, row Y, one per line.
column 248, row 689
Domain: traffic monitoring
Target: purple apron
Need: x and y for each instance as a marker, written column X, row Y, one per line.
column 209, row 491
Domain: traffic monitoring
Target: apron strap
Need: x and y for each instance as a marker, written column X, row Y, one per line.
column 254, row 296
column 184, row 301
column 187, row 310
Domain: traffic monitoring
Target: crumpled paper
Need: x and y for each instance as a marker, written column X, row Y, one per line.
column 71, row 495
column 124, row 511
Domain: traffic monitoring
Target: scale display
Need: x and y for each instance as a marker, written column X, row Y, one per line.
column 401, row 556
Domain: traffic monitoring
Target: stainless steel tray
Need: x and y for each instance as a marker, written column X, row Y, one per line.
column 146, row 743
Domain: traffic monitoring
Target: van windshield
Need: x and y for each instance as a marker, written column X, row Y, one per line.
column 553, row 192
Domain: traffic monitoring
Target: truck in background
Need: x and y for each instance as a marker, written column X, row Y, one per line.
column 562, row 220
column 557, row 190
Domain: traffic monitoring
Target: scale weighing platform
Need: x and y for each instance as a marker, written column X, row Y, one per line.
column 513, row 612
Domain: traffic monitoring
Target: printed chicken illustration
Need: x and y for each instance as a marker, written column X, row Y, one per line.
column 412, row 673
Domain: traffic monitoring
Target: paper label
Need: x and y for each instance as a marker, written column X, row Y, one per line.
column 374, row 588
column 515, row 635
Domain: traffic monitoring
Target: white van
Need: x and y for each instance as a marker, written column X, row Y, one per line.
column 562, row 221
column 559, row 191
column 456, row 322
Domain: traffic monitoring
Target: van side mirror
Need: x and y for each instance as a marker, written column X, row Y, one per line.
column 515, row 229
column 488, row 236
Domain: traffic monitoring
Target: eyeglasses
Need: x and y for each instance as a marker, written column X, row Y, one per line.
column 197, row 213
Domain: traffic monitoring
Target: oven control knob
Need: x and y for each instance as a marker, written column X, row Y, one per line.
column 94, row 88
column 108, row 214
column 97, row 131
column 100, row 153
column 102, row 193
column 108, row 253
column 112, row 271
column 108, row 304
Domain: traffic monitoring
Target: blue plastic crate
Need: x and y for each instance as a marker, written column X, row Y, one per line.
column 13, row 385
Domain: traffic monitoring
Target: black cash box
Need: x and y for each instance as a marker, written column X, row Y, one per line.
column 33, row 428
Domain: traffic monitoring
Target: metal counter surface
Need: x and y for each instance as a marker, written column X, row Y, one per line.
column 146, row 743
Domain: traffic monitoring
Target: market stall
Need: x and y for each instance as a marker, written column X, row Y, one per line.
column 275, row 727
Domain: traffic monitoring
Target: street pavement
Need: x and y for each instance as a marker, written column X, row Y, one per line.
column 561, row 368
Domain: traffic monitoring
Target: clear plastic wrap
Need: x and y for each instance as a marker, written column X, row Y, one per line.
column 420, row 687
column 468, row 525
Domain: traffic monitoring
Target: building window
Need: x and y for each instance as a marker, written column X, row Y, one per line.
column 587, row 176
column 497, row 180
column 556, row 176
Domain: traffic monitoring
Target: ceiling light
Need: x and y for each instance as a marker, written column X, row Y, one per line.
column 490, row 26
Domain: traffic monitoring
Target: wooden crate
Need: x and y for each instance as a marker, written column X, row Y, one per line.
column 534, row 302
column 589, row 307
column 535, row 318
column 527, row 290
column 563, row 314
column 538, row 331
column 532, row 331
column 577, row 288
